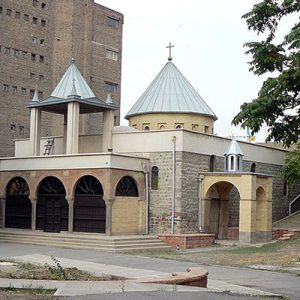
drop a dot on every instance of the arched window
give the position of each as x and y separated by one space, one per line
253 168
162 127
179 126
154 178
212 163
88 185
238 163
127 187
231 163
147 128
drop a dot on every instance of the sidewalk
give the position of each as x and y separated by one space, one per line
73 288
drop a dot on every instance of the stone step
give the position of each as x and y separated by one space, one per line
288 234
284 238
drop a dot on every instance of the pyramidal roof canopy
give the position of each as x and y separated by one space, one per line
234 148
170 92
72 87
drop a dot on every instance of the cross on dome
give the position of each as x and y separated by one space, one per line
170 51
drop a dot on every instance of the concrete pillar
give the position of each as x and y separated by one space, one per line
108 225
108 125
71 213
35 130
247 224
65 132
33 212
72 128
205 214
2 203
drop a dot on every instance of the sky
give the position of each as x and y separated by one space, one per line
208 36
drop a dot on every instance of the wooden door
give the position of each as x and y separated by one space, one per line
52 214
214 216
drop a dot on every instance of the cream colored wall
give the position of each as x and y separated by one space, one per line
128 215
171 120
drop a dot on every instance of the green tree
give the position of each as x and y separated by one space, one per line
278 101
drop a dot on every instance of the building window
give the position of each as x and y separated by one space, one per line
24 54
41 94
23 91
42 59
32 75
41 77
17 15
14 90
113 55
206 129
5 87
154 178
33 57
42 42
34 20
44 5
162 127
43 23
26 17
34 2
111 22
212 163
285 188
1 9
6 50
33 39
195 127
146 127
31 94
179 126
16 53
231 163
253 168
111 87
8 12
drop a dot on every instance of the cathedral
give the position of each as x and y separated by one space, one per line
165 173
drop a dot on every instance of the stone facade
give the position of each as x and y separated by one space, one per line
37 41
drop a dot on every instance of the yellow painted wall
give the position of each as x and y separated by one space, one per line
171 120
127 215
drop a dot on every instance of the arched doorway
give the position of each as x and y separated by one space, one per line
89 206
52 209
18 204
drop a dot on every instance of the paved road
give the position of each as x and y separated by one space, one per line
279 283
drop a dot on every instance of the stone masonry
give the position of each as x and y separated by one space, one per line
38 39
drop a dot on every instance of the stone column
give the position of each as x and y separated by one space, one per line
35 130
247 225
33 212
72 128
108 225
108 124
205 214
2 203
223 222
65 133
71 213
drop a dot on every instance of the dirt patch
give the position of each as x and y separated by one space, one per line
24 294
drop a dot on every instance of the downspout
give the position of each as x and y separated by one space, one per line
200 179
147 201
174 184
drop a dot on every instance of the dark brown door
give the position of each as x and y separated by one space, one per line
52 214
214 216
89 213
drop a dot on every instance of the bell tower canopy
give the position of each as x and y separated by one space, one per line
233 157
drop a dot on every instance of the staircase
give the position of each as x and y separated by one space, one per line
89 241
284 234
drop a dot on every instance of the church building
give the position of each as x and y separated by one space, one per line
166 173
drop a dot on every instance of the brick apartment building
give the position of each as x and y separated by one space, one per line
37 41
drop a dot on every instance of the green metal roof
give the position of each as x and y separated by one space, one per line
170 92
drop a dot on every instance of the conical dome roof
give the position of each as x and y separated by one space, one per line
170 92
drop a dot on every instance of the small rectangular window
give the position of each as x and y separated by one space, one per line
42 59
43 23
33 57
17 15
1 9
42 42
23 91
112 55
7 50
44 5
16 53
111 87
33 39
14 89
31 94
206 128
34 20
8 12
24 54
5 87
26 17
40 95
111 22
